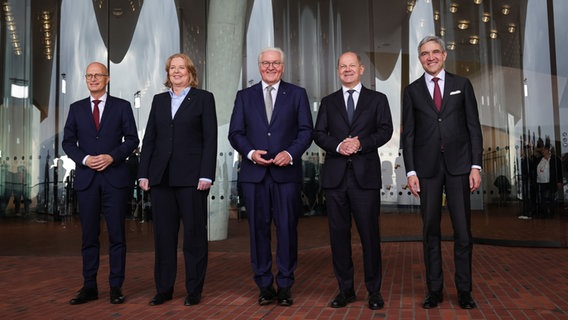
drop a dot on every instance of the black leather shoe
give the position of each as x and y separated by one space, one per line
192 299
432 299
376 301
465 300
266 296
285 297
160 298
343 298
116 296
85 295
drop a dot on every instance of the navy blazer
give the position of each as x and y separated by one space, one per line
290 129
117 136
372 124
455 128
185 145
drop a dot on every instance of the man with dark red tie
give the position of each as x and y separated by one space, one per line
442 149
100 133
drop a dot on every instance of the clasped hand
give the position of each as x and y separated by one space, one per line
100 162
282 159
349 146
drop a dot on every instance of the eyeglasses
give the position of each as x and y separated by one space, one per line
275 64
96 76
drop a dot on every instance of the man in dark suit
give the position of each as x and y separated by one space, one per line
100 133
177 165
442 149
352 124
271 127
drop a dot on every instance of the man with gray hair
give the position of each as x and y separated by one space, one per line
271 127
442 149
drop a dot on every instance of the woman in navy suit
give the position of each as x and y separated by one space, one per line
177 164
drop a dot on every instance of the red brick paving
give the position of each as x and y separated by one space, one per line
509 283
40 270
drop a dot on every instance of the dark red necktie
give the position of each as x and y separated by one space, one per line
437 94
96 116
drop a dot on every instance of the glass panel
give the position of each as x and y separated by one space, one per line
512 53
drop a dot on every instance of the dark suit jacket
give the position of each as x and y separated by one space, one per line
80 138
186 144
456 128
290 129
372 123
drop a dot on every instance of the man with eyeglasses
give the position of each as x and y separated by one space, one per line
271 127
352 123
100 133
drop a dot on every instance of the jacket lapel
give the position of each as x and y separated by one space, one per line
185 104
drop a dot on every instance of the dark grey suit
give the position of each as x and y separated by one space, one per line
441 148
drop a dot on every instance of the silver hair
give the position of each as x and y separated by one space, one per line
282 55
436 39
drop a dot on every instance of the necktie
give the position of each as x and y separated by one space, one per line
437 94
268 102
96 116
350 105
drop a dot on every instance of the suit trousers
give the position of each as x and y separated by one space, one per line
169 206
265 202
101 197
458 203
343 204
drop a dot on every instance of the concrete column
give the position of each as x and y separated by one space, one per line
225 41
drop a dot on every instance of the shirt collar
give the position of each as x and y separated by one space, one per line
103 98
357 88
275 86
442 76
183 93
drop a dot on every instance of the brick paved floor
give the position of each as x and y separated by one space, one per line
40 273
509 283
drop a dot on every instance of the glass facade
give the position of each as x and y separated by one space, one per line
511 51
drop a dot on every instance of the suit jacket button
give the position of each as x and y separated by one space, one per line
439 119
269 134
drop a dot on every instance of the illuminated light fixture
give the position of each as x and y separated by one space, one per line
137 96
19 91
442 32
512 27
47 34
63 84
477 1
454 7
463 24
493 34
505 9
410 5
474 40
486 17
436 15
451 45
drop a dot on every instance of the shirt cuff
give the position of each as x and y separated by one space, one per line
249 156
410 173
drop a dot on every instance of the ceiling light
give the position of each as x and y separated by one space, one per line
493 34
454 7
512 27
486 17
505 9
474 40
463 24
451 45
